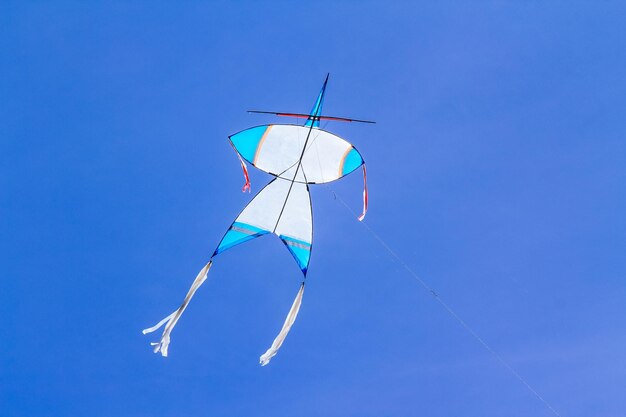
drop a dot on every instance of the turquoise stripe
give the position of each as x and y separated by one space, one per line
300 250
352 161
239 233
291 239
247 142
249 227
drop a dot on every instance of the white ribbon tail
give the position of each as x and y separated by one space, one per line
158 325
291 318
172 319
365 196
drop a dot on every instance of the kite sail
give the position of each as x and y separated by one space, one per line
297 156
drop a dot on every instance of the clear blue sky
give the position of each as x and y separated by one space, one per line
497 172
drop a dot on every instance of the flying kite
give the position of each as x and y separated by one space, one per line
297 156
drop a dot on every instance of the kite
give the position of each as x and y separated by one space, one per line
297 156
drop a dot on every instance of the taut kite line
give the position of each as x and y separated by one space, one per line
296 156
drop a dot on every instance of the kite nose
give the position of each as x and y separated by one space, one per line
316 111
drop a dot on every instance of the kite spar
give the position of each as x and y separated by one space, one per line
297 156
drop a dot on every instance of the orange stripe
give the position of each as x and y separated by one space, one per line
260 145
343 161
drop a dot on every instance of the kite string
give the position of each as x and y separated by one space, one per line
449 309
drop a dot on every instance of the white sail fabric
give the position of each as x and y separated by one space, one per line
276 149
283 208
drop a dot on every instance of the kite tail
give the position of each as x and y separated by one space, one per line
291 318
171 320
246 186
365 199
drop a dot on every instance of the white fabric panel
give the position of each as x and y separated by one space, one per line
296 220
264 210
281 148
324 156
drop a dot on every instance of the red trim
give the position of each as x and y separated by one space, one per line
365 198
297 115
246 186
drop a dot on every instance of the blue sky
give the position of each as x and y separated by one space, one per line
496 172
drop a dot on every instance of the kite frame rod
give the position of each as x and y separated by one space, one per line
308 116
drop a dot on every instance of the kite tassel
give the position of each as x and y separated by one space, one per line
246 186
171 320
365 198
291 318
